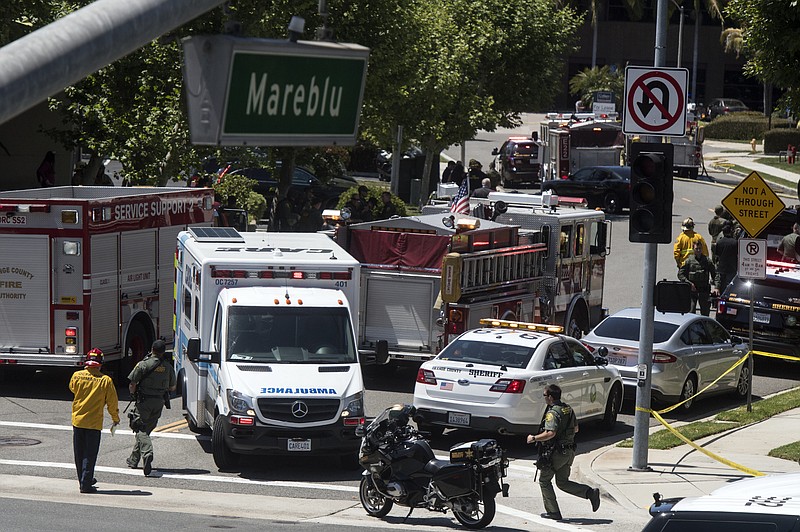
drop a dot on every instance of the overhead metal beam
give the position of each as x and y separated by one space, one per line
45 61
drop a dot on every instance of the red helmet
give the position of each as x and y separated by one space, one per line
94 357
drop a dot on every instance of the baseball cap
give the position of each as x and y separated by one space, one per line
94 358
688 223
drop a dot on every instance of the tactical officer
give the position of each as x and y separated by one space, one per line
151 381
715 226
700 273
726 258
558 430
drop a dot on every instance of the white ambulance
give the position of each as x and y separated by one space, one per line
265 347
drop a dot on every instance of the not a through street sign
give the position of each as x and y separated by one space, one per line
753 204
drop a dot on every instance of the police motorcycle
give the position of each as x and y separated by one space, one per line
400 468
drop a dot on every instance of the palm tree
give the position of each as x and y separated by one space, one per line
713 9
732 40
590 80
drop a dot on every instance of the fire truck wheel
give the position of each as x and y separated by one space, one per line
577 321
137 344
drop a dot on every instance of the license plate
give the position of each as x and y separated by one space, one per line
299 445
457 418
617 361
760 317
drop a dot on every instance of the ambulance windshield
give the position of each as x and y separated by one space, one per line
290 335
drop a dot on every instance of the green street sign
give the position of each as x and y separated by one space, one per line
273 93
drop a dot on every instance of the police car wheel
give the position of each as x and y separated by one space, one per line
612 409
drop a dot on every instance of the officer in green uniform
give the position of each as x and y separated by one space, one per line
700 273
151 379
556 453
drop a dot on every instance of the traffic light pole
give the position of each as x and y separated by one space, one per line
641 422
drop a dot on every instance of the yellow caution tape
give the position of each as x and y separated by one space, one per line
735 365
684 439
775 355
705 451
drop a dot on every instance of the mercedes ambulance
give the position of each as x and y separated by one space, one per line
265 347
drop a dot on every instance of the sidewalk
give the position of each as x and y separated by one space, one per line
684 471
739 154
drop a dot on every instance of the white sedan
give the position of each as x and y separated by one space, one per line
690 352
492 379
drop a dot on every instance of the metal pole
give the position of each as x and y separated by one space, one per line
680 38
641 422
750 363
45 61
680 33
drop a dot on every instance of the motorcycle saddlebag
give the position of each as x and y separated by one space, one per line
475 450
454 480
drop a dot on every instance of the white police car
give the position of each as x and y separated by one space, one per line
770 503
492 379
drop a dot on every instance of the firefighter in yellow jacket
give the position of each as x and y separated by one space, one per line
93 391
685 241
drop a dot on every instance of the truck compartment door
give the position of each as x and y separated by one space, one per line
104 306
399 309
25 292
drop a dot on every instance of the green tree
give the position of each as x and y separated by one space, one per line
770 38
442 69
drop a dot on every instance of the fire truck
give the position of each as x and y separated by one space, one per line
572 142
87 267
575 242
426 279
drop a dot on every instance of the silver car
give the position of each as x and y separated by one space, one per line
689 352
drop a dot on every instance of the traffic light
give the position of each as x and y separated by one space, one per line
651 193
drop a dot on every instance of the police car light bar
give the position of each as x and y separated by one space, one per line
507 324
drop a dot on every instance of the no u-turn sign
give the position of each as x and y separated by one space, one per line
655 101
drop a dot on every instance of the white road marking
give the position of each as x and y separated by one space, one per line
105 431
515 471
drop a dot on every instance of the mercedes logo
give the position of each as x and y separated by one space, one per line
299 409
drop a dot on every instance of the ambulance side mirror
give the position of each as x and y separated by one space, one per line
193 349
194 354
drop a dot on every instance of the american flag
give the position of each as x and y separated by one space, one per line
460 203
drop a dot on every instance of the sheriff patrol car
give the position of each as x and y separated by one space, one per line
492 378
762 503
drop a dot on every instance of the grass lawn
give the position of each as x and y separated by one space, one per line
731 419
782 165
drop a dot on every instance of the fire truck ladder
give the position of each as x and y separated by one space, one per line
467 273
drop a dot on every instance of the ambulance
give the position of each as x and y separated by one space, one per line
265 348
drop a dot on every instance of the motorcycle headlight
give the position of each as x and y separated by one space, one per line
240 403
354 405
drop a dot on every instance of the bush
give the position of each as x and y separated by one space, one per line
241 189
776 140
737 126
